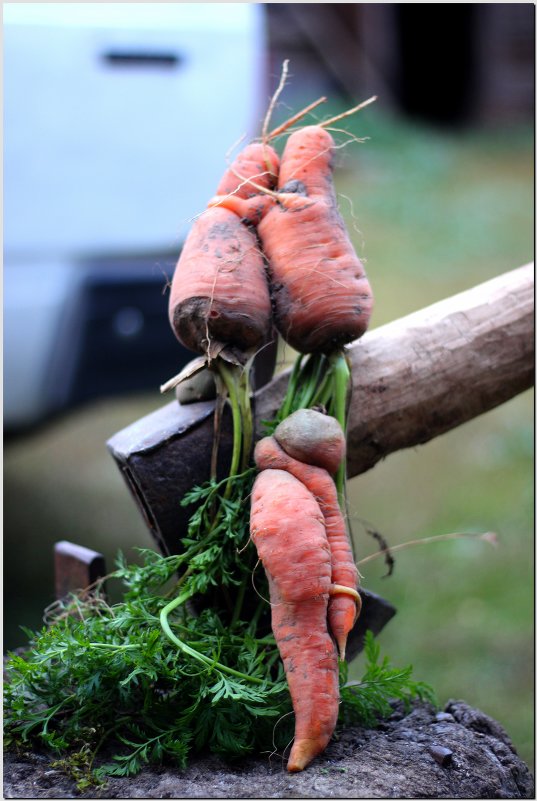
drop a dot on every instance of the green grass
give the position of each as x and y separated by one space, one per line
432 214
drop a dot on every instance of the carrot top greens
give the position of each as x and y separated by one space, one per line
105 687
110 687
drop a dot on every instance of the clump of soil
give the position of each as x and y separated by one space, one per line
457 753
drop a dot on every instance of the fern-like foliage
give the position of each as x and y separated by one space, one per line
103 678
370 699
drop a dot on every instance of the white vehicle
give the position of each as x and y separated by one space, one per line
117 121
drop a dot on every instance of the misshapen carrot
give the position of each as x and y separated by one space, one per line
317 444
321 296
288 530
219 291
344 603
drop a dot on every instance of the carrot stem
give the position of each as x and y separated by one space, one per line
341 378
245 407
291 388
348 113
186 649
218 412
324 392
261 606
229 377
238 603
306 398
303 388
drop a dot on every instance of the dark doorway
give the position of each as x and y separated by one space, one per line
436 44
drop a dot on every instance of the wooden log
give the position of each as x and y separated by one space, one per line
413 379
433 370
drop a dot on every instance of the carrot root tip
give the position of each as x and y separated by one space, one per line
302 753
341 643
340 589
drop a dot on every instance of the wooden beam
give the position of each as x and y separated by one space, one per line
413 379
75 568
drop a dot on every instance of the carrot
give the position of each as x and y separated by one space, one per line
321 296
345 603
288 530
254 171
219 294
295 519
312 437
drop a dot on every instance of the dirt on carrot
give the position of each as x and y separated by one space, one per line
219 292
321 295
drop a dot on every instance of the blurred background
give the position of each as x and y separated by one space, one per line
117 122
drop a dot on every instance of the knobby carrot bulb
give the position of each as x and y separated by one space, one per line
312 437
219 292
321 295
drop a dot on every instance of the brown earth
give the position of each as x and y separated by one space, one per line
457 753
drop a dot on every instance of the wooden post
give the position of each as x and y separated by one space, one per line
75 568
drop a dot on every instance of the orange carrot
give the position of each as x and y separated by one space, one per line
344 604
219 292
288 530
317 441
254 171
321 296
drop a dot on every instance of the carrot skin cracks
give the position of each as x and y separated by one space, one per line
288 531
321 295
219 291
